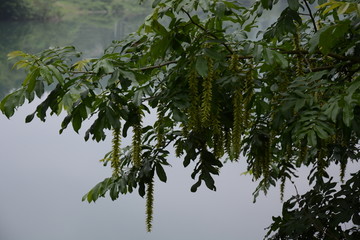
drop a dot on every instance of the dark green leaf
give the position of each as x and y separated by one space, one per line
30 117
76 122
57 74
161 173
195 186
294 4
201 66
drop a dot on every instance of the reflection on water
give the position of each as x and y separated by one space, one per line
89 34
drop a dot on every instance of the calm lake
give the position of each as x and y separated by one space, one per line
43 175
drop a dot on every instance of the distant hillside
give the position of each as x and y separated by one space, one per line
70 9
45 10
19 10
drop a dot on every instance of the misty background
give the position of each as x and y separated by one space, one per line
43 175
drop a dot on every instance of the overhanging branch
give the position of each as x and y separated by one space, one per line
206 31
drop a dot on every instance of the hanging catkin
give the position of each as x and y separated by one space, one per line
206 98
237 122
160 129
149 205
299 57
194 109
115 159
136 142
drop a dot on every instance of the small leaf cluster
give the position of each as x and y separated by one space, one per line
322 213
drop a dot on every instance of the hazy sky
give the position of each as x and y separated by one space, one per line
43 176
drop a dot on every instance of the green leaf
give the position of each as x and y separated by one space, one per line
104 66
268 56
30 79
114 77
267 4
195 186
280 59
294 4
212 53
57 74
320 132
114 192
201 66
299 104
311 138
161 172
314 41
258 53
39 88
15 54
80 65
12 101
332 36
353 87
141 189
89 196
155 3
46 74
112 118
137 99
158 28
29 118
76 122
22 64
348 114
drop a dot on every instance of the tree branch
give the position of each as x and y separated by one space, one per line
333 55
155 66
206 31
311 15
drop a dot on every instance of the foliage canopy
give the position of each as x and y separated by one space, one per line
285 97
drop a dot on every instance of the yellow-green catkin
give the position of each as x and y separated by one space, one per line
115 159
299 57
237 122
136 143
194 109
303 152
234 63
228 144
248 91
218 145
149 205
282 188
338 139
206 97
265 162
160 129
218 136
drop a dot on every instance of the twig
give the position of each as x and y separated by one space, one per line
206 31
155 66
311 15
296 190
333 55
81 72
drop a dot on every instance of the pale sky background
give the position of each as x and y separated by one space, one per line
43 176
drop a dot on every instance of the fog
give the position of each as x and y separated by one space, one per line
43 176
